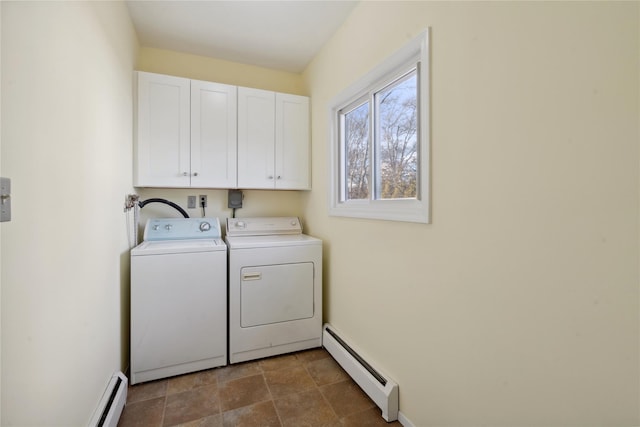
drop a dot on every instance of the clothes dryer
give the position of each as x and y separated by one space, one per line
275 288
178 299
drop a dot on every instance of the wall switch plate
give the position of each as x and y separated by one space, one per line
202 201
191 202
5 199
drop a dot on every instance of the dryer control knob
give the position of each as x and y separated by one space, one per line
294 222
168 226
205 226
241 224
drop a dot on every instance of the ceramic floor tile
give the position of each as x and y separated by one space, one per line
191 405
312 355
346 398
206 377
232 372
243 392
261 414
146 391
212 421
191 381
147 413
326 371
307 409
276 363
369 418
303 389
286 381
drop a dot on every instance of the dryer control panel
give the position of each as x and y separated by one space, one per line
263 226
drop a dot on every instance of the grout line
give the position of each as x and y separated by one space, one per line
231 367
305 365
319 390
273 400
164 409
219 404
329 405
254 403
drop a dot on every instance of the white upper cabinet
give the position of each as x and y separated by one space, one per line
193 133
162 154
292 149
256 138
186 134
273 140
213 135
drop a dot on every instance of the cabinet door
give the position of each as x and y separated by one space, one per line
292 147
256 136
162 153
213 135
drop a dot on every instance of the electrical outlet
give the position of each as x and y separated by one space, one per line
191 202
203 201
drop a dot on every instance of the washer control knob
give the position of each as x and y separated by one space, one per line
241 224
205 226
156 227
168 226
294 222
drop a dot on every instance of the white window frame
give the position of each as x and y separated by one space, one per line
410 210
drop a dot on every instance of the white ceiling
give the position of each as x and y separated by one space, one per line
282 35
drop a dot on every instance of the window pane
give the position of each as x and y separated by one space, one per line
356 149
396 139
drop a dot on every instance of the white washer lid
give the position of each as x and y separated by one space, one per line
248 242
264 226
160 247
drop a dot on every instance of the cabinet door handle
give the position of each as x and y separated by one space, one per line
278 176
195 174
270 177
251 276
185 173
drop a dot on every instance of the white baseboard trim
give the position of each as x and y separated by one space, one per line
112 402
402 419
381 389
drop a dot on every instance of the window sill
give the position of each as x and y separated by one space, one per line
387 210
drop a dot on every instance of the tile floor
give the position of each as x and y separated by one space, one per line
304 389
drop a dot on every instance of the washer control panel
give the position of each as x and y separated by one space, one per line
182 229
263 226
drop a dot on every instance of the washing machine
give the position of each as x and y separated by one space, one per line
275 288
178 298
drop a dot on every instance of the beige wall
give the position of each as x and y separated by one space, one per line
216 70
518 305
0 230
67 146
256 203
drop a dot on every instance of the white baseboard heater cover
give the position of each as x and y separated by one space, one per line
380 388
112 403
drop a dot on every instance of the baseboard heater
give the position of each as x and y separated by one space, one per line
112 403
382 390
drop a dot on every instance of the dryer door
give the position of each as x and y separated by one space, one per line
276 293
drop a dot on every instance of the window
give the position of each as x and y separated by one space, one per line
380 145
